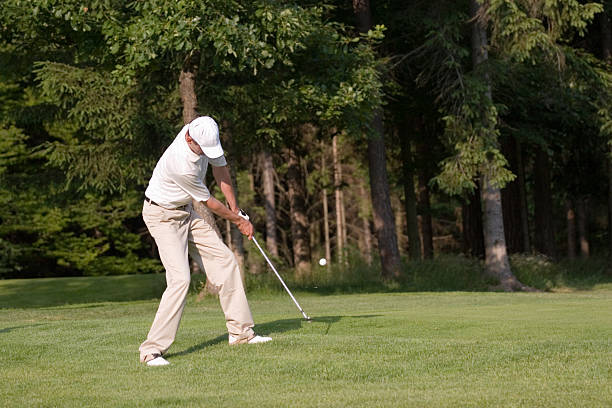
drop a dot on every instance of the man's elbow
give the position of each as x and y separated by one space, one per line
210 202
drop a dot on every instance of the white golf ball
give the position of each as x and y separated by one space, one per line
322 261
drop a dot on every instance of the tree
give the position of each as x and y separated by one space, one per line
497 264
606 53
339 199
73 230
269 201
384 223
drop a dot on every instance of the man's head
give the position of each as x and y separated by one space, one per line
205 132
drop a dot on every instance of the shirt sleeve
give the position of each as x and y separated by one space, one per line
193 186
218 161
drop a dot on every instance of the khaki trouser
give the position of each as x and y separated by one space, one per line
178 233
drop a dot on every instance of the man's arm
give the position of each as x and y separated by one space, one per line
224 180
221 210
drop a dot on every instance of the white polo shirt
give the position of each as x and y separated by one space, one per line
179 175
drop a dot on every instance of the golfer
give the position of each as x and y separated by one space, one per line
178 230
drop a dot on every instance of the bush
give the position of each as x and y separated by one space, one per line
537 271
355 276
445 273
541 272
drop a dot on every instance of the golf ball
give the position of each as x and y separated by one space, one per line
322 261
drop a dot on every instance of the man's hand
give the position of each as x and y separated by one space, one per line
245 227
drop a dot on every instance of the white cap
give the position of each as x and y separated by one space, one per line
205 132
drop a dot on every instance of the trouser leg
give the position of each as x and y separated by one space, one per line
169 228
223 272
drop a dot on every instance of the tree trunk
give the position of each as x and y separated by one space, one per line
189 99
583 221
228 234
326 226
269 201
479 55
384 224
254 262
606 36
396 204
343 217
571 229
365 221
511 201
610 211
497 264
544 233
410 201
339 202
236 236
362 11
423 208
190 104
606 48
520 179
471 215
187 80
299 219
325 206
496 259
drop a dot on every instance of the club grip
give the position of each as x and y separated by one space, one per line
243 214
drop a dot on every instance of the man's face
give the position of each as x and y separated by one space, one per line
193 145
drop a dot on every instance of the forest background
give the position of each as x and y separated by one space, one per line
426 144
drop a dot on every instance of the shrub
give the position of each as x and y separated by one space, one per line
537 271
541 272
445 273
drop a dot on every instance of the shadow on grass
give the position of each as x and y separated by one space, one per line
49 292
26 326
277 326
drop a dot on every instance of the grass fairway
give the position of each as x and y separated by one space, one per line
361 350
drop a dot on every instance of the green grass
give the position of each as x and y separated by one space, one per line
452 349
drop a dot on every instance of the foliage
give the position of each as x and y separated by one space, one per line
89 99
542 273
520 28
99 151
104 75
536 271
446 273
520 31
473 133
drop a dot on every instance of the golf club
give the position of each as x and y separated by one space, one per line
245 216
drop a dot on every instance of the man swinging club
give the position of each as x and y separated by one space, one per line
178 230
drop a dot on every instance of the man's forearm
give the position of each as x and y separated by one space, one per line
221 210
223 179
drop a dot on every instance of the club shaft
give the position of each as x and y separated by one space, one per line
280 279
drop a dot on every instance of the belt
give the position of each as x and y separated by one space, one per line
148 200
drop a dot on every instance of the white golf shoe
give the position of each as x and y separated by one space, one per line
157 361
253 340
